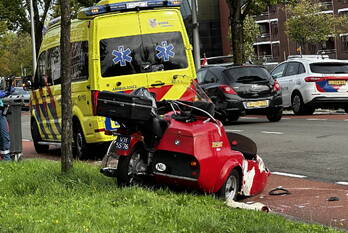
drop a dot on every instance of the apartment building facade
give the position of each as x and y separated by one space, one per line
273 45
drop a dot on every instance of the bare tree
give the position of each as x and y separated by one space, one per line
67 157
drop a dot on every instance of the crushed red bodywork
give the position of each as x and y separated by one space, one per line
206 142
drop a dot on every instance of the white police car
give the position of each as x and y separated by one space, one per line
313 81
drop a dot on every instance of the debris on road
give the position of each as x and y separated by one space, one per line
333 199
279 191
249 205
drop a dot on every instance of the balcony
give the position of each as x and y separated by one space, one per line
326 5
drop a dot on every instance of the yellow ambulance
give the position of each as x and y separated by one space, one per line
116 46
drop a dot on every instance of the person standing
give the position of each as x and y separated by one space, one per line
4 129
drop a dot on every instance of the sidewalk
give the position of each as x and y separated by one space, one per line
307 201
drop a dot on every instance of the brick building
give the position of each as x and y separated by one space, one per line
273 45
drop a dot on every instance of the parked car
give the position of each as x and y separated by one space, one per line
311 82
241 90
20 96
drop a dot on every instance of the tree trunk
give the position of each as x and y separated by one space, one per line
67 157
236 31
38 25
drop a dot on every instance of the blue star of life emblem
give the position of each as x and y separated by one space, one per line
165 51
122 56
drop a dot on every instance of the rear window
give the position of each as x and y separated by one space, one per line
247 75
142 54
329 68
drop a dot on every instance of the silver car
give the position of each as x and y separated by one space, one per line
311 82
19 96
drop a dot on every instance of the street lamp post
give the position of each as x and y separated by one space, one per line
33 35
196 47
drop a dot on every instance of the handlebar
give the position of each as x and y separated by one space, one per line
174 104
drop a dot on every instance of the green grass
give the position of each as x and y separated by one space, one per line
35 197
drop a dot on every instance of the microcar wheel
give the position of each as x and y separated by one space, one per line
275 115
231 187
130 168
35 134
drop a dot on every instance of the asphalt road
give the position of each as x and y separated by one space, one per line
312 146
315 147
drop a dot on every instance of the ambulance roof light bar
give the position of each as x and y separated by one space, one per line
122 6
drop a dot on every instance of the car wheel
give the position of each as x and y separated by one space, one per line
298 107
233 117
80 147
35 134
129 167
231 187
346 109
275 115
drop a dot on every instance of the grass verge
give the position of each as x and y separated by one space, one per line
35 197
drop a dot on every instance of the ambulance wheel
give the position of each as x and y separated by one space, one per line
231 187
130 167
35 134
80 147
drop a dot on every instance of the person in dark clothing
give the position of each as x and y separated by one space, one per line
4 129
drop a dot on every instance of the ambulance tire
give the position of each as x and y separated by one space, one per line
35 134
80 146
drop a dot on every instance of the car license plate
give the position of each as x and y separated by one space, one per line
122 142
337 82
257 104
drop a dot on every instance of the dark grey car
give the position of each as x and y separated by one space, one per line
242 90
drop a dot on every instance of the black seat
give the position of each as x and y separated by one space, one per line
159 126
242 144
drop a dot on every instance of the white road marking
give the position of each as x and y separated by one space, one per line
269 132
234 130
26 140
342 183
288 174
315 119
250 118
346 120
286 118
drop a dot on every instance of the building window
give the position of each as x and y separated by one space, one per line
274 27
264 29
275 51
344 41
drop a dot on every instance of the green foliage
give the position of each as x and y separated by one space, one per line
251 31
307 25
239 10
15 53
36 197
